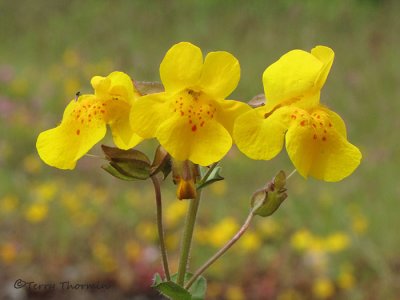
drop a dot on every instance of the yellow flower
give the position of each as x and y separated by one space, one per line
36 212
85 119
315 136
191 119
323 288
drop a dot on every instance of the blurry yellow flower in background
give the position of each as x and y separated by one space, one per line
191 119
8 253
175 212
301 240
235 293
337 242
104 256
323 288
315 136
250 242
36 212
222 232
85 119
132 250
8 204
346 279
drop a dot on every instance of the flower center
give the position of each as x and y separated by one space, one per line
318 120
86 111
196 107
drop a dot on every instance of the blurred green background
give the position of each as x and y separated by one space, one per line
327 241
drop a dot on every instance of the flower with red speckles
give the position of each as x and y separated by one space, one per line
315 136
191 119
85 120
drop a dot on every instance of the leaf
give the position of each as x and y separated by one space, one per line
148 87
199 288
114 172
116 154
127 164
171 289
213 177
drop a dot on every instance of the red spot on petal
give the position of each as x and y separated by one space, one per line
315 126
324 138
78 132
318 116
194 128
330 124
202 123
302 123
293 117
320 123
190 122
315 136
103 111
182 113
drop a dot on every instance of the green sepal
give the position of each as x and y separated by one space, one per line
268 199
174 291
126 164
213 177
148 87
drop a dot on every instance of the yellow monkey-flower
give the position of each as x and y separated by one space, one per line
85 120
315 136
191 119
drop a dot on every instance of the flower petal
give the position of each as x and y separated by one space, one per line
117 85
221 74
290 78
229 110
63 145
123 135
181 67
259 137
321 153
202 145
147 113
326 56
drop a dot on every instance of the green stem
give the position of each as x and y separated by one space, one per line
217 255
187 237
157 191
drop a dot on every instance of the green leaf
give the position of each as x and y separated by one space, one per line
127 164
268 199
147 87
114 172
174 291
199 288
213 177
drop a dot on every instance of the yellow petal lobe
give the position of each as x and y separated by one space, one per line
82 127
181 67
220 75
318 149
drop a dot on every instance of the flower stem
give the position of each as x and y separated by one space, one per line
163 249
187 237
225 248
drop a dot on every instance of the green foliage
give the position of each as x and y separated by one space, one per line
175 292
